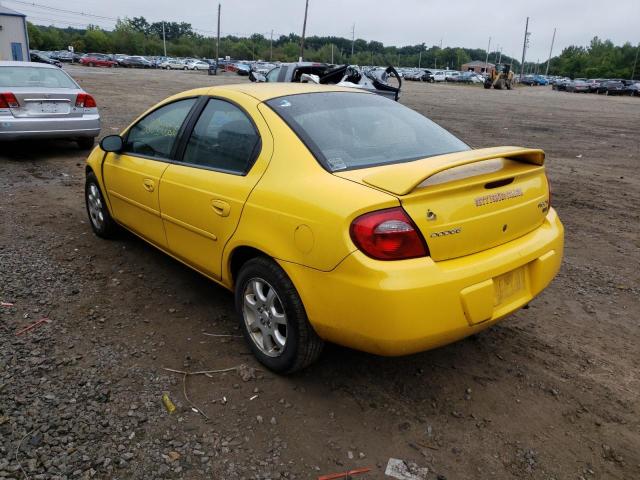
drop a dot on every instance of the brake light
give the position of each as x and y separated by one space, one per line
8 100
84 100
388 235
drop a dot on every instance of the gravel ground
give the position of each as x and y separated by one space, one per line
552 392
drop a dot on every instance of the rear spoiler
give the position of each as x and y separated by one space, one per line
402 178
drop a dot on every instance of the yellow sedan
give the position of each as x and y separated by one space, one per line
333 214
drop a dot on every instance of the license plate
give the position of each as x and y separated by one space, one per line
49 107
508 285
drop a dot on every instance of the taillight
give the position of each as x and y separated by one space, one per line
8 100
388 235
84 100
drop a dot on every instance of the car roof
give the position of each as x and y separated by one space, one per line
26 64
267 91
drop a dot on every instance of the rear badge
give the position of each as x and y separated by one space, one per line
446 233
498 197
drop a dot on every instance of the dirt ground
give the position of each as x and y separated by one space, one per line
553 392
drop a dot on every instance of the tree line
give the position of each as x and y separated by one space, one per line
136 36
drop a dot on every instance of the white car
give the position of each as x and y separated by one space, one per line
443 75
172 65
198 65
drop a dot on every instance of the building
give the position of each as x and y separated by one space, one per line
478 67
14 40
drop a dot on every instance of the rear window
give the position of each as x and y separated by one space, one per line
35 77
347 130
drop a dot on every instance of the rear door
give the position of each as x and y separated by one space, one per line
132 177
202 195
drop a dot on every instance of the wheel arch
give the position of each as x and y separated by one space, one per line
240 255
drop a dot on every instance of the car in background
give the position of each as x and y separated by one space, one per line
634 89
594 83
39 57
451 75
97 60
528 80
578 86
42 101
198 65
560 84
612 87
172 64
65 56
470 77
372 79
135 61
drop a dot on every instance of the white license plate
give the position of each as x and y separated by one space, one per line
508 285
49 107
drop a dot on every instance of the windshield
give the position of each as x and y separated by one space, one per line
35 77
347 130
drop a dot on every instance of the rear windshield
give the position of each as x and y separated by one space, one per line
35 77
347 130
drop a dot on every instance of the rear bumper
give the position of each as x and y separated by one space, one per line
399 308
12 128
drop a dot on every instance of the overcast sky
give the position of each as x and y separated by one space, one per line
465 23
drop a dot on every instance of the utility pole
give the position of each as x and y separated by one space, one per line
553 39
486 59
271 47
500 55
420 58
332 53
524 47
353 39
304 29
218 37
164 40
635 62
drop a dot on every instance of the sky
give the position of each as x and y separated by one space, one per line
457 23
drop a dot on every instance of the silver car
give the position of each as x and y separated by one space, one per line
43 101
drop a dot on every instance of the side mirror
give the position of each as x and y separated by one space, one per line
112 143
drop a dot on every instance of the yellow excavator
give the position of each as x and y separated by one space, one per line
501 77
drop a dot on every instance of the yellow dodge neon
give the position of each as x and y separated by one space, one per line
334 214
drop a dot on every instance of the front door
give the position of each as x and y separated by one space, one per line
16 51
132 177
202 196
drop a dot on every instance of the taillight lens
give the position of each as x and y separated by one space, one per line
388 235
8 100
84 100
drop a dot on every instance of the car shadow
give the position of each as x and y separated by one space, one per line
36 150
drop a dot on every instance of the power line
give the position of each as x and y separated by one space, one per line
56 9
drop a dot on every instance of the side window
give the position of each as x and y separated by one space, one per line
223 139
156 133
272 76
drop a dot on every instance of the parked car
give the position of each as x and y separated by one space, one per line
172 64
612 87
97 60
349 242
442 75
634 89
578 86
593 84
38 100
135 61
451 75
470 77
560 84
198 65
38 57
528 80
376 80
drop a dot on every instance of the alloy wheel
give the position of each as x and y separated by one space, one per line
95 206
264 317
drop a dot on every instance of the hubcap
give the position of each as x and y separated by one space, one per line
94 204
264 317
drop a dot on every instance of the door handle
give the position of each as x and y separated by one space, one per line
149 185
221 208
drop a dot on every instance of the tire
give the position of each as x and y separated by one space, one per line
263 277
86 143
99 216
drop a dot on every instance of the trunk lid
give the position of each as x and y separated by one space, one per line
468 201
46 103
